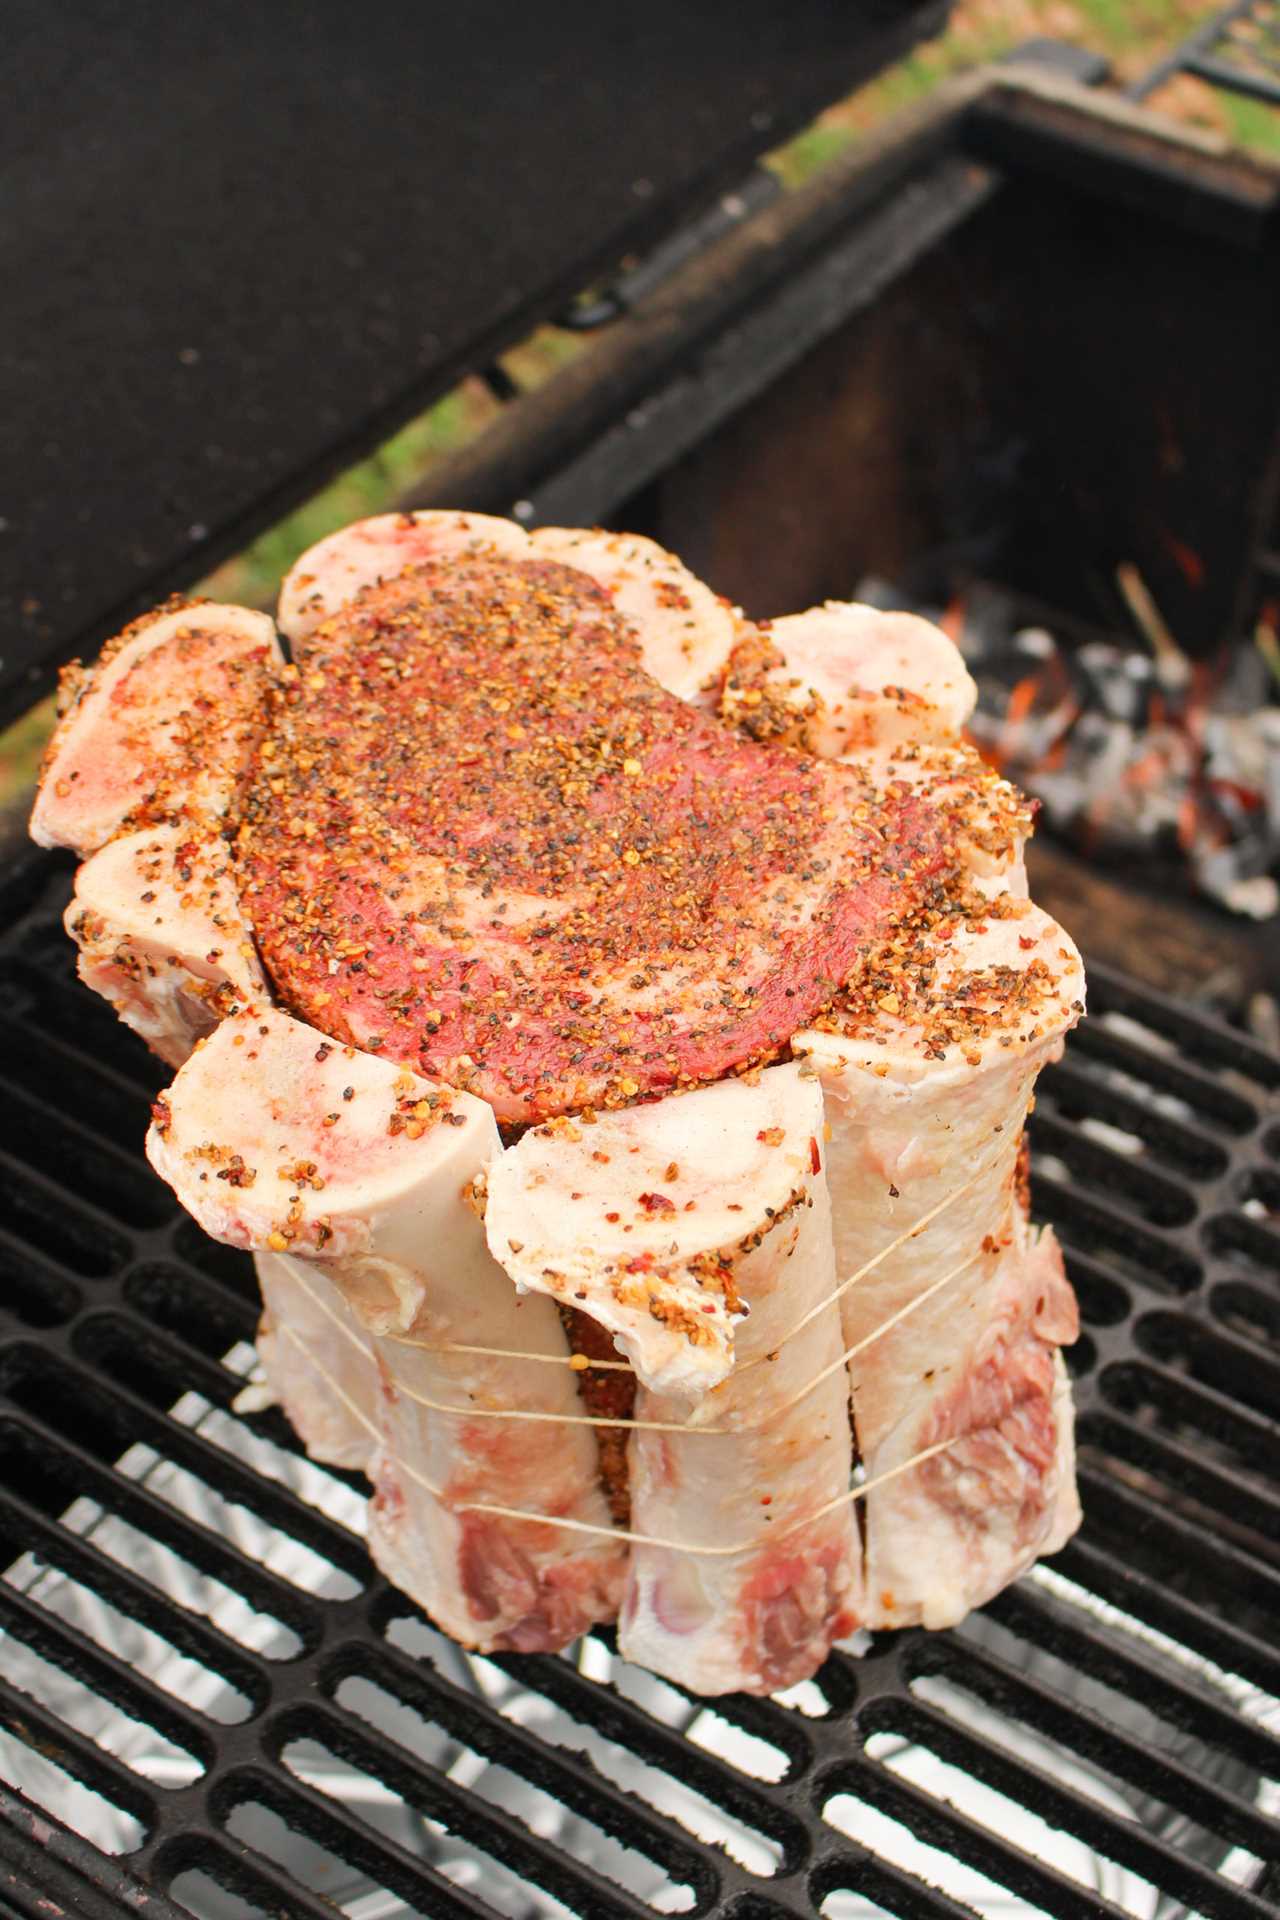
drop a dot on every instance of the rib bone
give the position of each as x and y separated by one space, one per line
331 574
668 1223
318 1359
275 1138
845 678
157 919
686 631
162 726
928 1074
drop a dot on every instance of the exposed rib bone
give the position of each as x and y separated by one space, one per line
638 1219
335 570
309 1342
667 1223
927 1088
950 1533
686 631
274 1137
157 919
847 678
161 727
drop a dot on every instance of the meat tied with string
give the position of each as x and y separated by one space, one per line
535 829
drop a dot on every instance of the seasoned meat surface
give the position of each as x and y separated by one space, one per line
483 840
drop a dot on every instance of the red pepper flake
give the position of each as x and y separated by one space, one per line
815 1158
657 1203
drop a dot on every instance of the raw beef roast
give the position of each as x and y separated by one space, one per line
482 839
611 1026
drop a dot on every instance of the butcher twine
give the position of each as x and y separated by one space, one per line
610 1420
625 1366
614 1533
847 1498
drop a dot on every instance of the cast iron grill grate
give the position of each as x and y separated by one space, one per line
209 1703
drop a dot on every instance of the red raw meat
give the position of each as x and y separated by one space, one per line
483 840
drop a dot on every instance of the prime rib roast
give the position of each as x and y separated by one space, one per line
611 1024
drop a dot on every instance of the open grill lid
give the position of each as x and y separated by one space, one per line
246 243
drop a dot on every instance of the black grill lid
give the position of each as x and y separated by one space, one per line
243 242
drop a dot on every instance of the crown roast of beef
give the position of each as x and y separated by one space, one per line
610 1023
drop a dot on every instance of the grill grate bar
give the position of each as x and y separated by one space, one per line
1096 1046
272 1893
1199 1034
113 1340
43 1864
1076 1727
1137 1510
199 1325
1234 1357
1164 1201
188 1449
940 1824
116 1107
118 1187
325 1820
1124 1841
208 1552
1073 1094
1224 1642
62 1644
487 1824
1160 1255
22 1715
607 1713
42 1221
622 1813
62 1012
1044 1621
895 1891
1194 1403
188 1633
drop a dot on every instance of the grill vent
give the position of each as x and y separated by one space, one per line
206 1693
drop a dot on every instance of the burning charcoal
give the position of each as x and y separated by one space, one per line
1121 682
1131 751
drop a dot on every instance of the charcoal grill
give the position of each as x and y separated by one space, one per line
210 1703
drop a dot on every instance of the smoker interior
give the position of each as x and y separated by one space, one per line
209 1702
1077 374
1028 340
